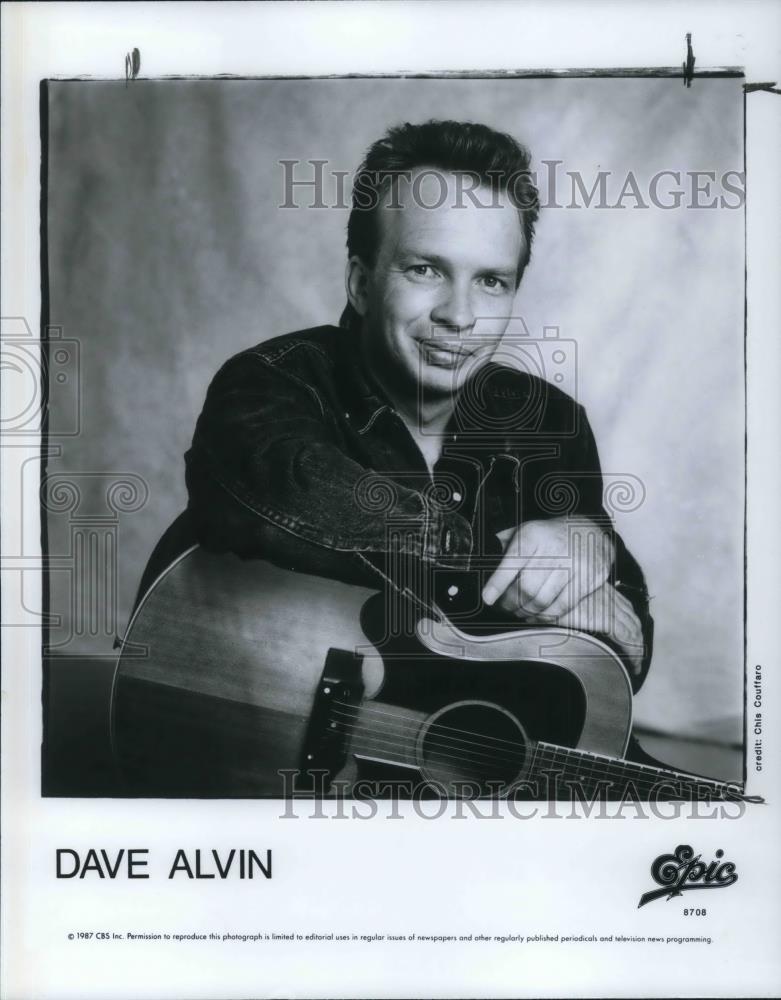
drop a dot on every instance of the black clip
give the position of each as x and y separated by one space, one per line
770 88
688 66
132 65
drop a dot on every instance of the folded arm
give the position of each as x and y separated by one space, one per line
573 569
268 469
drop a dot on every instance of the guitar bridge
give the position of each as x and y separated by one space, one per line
329 731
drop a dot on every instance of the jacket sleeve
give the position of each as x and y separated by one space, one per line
587 490
267 475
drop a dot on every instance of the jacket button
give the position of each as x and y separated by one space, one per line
456 496
452 590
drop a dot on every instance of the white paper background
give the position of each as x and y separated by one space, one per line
449 876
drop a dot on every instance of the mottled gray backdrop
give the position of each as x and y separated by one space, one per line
168 253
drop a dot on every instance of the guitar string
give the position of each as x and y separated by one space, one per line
397 727
595 760
484 747
639 774
441 756
642 772
365 708
393 739
582 756
367 744
612 765
480 757
408 749
606 764
583 761
642 784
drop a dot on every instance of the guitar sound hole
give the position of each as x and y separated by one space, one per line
472 748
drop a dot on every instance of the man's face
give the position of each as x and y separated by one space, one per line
440 294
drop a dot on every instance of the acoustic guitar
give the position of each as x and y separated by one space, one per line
238 678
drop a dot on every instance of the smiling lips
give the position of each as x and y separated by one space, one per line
437 353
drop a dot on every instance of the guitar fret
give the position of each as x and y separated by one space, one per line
590 768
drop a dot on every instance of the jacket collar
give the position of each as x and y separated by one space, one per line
498 386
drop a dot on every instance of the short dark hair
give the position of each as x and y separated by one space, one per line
494 158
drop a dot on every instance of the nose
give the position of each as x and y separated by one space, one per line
454 309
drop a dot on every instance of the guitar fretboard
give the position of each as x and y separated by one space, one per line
594 773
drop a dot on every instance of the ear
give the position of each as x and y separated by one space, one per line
356 281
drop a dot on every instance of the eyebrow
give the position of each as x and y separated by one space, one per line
433 258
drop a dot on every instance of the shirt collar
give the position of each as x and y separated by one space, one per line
368 401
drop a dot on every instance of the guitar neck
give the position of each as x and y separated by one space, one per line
595 774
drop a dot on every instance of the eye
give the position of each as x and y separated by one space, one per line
422 271
494 284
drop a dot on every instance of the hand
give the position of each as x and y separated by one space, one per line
549 567
607 612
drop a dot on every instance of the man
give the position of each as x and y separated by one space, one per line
402 447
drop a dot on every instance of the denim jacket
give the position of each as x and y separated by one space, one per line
298 457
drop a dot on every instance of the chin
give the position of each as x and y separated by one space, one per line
443 381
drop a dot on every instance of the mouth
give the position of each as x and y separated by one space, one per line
443 355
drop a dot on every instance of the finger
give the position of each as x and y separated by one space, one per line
623 601
628 631
574 618
508 602
516 599
567 599
507 571
593 614
591 564
613 617
504 536
629 639
541 598
622 608
602 615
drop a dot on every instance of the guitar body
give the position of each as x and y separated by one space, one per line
233 671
